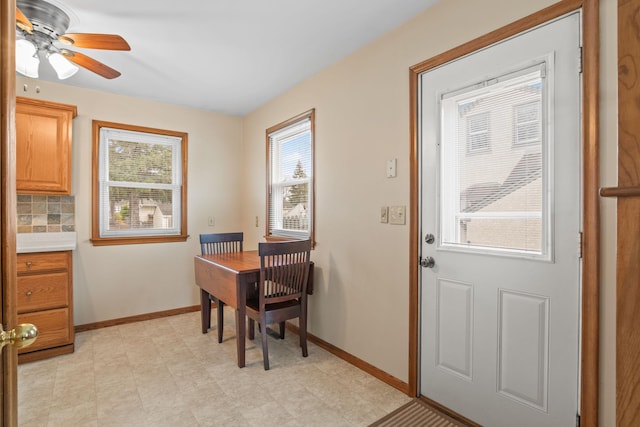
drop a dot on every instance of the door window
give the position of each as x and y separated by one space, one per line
493 183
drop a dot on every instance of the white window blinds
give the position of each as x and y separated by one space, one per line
291 177
494 191
140 182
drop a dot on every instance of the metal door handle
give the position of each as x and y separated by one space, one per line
428 262
23 335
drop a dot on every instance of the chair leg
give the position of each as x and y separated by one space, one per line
265 350
281 330
220 311
303 331
252 329
205 310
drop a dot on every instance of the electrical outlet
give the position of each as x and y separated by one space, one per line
212 221
391 168
397 215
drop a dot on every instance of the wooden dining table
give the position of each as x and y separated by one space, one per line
230 277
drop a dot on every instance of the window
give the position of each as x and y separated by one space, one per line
527 123
478 133
290 177
499 200
139 185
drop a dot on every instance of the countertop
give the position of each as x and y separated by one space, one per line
45 242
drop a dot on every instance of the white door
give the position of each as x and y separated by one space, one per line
500 200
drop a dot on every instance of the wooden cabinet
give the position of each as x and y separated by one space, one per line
43 146
45 298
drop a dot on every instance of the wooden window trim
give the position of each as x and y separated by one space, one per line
96 240
311 115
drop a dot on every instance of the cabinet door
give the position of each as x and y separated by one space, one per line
53 328
43 147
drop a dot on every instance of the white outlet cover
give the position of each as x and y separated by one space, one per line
391 168
397 215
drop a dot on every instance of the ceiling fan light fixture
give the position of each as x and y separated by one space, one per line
64 69
44 25
27 61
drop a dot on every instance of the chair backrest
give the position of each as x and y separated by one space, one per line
218 243
284 270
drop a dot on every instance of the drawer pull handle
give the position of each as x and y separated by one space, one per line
29 264
28 293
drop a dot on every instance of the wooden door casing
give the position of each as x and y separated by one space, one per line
628 226
8 366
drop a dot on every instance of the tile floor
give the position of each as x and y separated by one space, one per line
165 372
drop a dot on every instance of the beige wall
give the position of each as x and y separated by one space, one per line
111 282
362 117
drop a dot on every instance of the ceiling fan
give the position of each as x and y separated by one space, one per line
40 26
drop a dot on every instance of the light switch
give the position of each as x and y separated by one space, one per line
397 215
384 214
391 168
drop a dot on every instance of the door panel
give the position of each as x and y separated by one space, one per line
523 334
455 327
500 163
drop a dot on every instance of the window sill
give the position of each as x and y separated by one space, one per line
136 240
272 238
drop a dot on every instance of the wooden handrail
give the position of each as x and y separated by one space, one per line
620 192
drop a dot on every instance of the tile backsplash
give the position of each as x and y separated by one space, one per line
46 214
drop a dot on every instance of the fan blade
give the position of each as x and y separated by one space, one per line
23 22
90 64
95 41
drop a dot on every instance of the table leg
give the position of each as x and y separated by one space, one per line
241 334
220 312
205 310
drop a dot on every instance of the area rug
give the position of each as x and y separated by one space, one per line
416 414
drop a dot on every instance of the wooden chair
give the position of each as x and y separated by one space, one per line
216 243
282 290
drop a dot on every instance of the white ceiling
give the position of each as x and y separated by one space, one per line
228 56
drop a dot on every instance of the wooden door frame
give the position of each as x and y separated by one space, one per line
627 193
589 369
8 295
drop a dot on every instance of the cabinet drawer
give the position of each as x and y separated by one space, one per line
40 261
43 291
53 328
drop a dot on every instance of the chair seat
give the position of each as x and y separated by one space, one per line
254 304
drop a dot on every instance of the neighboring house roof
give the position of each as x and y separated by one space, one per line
165 208
527 170
298 210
